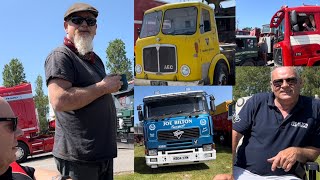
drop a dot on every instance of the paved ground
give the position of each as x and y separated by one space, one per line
124 163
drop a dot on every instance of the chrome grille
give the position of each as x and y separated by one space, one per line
165 64
277 56
187 134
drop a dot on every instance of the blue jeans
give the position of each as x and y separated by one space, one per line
85 171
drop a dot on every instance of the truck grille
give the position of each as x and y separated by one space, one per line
277 56
166 62
187 134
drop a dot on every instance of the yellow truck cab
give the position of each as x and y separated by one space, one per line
178 45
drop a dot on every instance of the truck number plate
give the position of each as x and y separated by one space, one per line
159 83
124 140
177 158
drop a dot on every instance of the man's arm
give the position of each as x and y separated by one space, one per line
64 97
235 140
286 158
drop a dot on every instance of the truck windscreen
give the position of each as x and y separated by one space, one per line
180 21
173 106
151 24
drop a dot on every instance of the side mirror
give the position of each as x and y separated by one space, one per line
212 105
140 115
293 17
295 28
231 110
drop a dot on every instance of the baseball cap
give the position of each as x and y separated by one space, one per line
79 7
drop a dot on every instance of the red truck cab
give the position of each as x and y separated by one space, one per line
21 101
295 44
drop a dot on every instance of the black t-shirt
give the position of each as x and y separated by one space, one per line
87 134
266 133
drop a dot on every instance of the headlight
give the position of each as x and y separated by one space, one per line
119 114
153 152
185 70
207 147
138 69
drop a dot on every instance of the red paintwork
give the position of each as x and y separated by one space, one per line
23 106
297 55
221 122
220 118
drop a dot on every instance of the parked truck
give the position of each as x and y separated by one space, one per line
21 101
222 123
124 105
294 45
177 128
179 45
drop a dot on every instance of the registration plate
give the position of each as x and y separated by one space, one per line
159 83
178 158
124 140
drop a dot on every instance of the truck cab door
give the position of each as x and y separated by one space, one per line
208 38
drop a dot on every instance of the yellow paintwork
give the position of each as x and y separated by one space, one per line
208 55
222 108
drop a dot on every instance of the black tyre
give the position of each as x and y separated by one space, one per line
22 152
222 139
221 74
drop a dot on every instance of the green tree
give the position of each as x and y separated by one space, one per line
251 80
13 73
42 102
311 81
117 62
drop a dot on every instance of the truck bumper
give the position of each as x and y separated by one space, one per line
145 82
180 157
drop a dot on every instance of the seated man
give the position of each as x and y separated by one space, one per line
9 132
309 24
280 130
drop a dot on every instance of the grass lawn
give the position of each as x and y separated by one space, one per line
187 172
196 171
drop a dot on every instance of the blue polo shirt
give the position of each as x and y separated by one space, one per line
266 132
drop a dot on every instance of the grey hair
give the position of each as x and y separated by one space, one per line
296 70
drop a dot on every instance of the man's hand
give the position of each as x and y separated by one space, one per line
111 83
285 159
223 177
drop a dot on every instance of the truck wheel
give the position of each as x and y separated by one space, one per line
22 152
222 139
220 74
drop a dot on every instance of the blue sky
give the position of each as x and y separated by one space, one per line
253 13
31 29
221 93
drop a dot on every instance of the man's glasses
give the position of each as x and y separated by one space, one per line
78 20
291 81
14 121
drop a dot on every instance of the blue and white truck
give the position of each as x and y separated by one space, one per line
178 128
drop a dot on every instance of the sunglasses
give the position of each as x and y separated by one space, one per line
13 120
79 20
291 81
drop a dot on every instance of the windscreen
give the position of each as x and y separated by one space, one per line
151 24
180 21
173 106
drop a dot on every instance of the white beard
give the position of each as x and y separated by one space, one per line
83 43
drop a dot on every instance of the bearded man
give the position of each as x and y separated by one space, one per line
80 94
